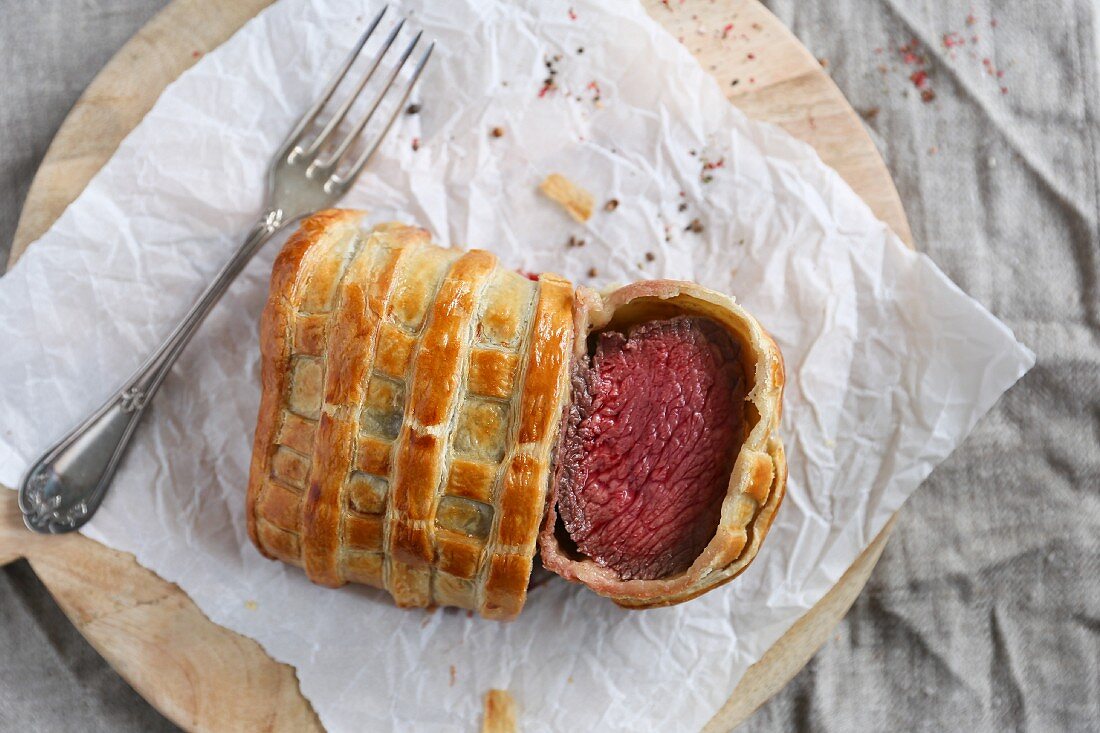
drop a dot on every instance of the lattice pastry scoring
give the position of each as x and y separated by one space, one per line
411 400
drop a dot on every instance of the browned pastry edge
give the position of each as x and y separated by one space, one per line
522 497
759 477
276 341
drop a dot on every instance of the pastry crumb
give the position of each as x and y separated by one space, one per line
500 712
592 272
497 132
694 227
649 257
575 200
611 205
412 109
454 673
251 605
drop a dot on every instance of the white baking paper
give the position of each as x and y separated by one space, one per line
889 364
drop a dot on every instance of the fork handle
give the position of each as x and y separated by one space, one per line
64 487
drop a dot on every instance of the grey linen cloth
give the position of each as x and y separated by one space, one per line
984 612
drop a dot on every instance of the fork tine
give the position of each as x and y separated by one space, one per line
354 134
342 110
311 114
359 164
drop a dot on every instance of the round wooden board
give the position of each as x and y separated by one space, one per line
207 678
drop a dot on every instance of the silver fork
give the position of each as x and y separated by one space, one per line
65 486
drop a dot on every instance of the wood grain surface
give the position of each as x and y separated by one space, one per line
207 678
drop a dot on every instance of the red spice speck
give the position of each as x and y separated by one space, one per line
1000 73
572 14
919 78
752 80
757 27
993 23
416 144
971 20
196 54
927 96
878 50
953 39
726 30
752 57
1004 90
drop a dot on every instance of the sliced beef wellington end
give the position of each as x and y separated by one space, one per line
669 467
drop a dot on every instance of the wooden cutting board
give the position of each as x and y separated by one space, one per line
207 678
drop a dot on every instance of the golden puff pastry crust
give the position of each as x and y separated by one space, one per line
411 399
758 481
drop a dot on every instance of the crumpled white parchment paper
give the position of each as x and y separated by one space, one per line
889 364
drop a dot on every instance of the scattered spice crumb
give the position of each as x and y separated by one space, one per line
927 95
735 82
682 207
251 605
453 675
869 114
705 174
500 712
757 27
695 227
412 109
752 57
594 87
611 205
575 200
497 132
469 614
580 50
824 62
416 144
549 84
649 257
726 30
574 242
572 14
933 150
971 20
569 680
592 272
953 39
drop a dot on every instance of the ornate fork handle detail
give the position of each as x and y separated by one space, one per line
64 487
